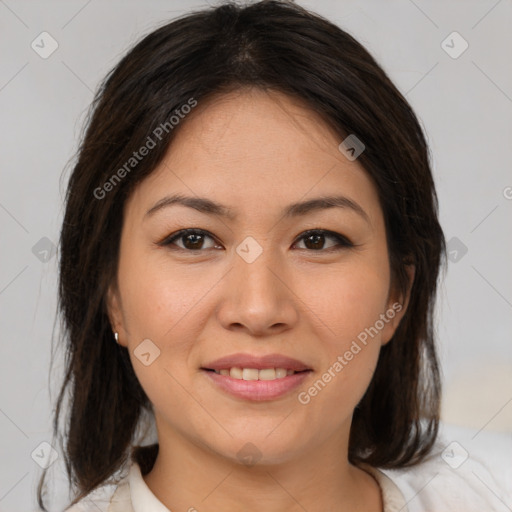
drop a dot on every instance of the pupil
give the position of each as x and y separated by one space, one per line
317 243
195 239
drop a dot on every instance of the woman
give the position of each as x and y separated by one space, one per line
252 218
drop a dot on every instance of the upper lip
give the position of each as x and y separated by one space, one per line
258 362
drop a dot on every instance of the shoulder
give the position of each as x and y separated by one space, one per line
466 471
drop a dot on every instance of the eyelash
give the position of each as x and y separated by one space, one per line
343 242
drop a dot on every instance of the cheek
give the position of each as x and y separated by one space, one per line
345 307
159 306
157 297
345 301
165 304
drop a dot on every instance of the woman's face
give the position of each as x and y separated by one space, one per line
253 283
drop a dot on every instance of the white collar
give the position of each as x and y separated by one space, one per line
143 500
392 497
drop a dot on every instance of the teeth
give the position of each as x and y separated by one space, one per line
255 374
267 374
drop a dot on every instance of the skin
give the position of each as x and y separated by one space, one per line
255 152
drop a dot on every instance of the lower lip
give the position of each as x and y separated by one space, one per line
258 390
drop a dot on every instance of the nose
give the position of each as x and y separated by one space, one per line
258 297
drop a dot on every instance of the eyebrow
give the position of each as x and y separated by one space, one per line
210 207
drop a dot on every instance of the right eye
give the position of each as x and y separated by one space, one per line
192 240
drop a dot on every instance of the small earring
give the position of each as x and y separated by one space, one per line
116 337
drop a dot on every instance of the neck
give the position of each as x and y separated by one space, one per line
190 477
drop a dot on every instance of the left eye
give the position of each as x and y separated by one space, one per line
193 239
318 236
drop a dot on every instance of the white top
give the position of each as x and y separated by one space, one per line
467 471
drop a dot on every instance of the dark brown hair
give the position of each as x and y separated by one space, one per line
274 45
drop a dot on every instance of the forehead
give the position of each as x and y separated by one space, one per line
254 149
248 121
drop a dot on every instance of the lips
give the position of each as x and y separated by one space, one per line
257 362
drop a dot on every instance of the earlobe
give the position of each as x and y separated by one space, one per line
396 307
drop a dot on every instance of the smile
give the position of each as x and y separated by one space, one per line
255 374
254 384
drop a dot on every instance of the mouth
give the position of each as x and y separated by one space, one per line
256 385
251 374
257 378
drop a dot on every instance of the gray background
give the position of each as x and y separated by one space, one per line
464 104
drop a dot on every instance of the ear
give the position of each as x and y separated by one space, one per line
115 314
396 307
